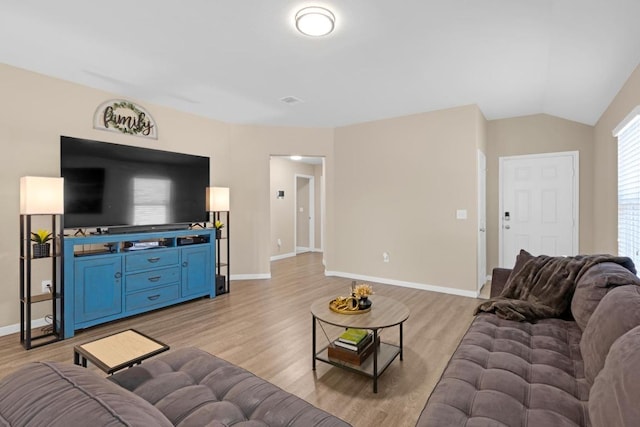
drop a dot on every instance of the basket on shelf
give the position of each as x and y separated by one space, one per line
41 250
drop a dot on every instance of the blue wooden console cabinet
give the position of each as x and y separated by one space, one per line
108 277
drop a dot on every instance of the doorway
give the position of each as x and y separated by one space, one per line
305 213
482 220
297 205
538 205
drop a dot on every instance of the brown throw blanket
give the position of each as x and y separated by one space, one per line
544 286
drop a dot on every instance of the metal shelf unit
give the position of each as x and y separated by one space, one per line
55 331
223 271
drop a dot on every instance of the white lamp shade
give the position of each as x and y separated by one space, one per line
40 195
217 199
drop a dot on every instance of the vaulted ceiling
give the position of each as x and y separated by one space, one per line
234 60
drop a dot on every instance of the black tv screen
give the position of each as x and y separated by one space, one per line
111 185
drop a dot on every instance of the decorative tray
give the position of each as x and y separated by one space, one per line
346 305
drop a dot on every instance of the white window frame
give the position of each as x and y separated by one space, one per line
628 137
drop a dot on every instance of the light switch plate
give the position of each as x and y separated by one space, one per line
461 214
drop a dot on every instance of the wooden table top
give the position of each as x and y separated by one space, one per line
385 312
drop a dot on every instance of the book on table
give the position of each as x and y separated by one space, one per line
355 347
353 357
353 336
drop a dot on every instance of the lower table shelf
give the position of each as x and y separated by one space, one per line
386 354
386 313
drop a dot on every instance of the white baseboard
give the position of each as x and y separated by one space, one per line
12 329
292 254
302 249
283 256
250 276
425 287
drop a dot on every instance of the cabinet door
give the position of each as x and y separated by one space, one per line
98 288
196 271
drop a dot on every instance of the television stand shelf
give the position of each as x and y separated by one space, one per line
105 280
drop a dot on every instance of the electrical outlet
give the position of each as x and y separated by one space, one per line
385 256
46 286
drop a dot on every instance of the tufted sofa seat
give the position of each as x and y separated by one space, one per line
187 388
515 374
553 372
194 388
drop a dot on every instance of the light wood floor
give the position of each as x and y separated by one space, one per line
265 326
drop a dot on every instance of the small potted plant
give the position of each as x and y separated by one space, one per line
219 225
362 292
41 245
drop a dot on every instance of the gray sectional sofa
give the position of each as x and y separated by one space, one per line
581 369
187 387
578 370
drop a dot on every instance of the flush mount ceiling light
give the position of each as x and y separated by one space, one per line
296 158
315 21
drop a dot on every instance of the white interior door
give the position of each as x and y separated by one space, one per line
538 205
482 219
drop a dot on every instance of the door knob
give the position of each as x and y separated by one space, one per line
483 230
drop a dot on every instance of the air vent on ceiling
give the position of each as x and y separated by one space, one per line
291 100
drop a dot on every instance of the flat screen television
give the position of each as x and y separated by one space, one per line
124 188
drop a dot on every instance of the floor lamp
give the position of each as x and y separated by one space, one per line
41 196
218 202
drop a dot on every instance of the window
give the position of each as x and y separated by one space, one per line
151 199
628 133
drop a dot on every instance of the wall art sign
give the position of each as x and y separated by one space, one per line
119 115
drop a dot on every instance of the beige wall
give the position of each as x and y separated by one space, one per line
35 110
283 172
481 131
251 149
533 135
401 181
605 204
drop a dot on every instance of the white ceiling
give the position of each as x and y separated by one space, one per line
233 60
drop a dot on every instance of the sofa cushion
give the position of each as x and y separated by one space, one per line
512 373
613 400
521 259
56 394
500 276
594 285
617 313
194 388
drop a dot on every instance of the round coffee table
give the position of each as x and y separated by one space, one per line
385 312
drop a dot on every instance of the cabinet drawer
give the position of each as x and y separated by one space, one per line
152 297
152 279
151 259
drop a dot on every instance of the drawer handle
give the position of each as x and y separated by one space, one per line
185 264
154 279
117 275
156 259
153 297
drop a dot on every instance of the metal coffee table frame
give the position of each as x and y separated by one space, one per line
385 313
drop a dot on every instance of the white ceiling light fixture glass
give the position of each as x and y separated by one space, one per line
296 158
315 21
